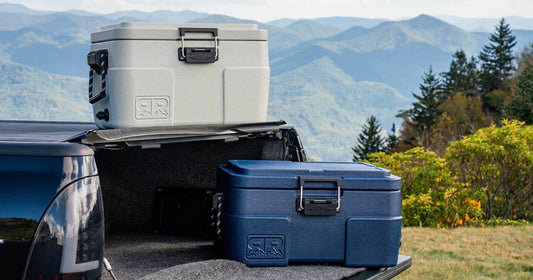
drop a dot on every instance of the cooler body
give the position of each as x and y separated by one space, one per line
154 74
349 213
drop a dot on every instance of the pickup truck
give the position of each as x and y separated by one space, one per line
156 185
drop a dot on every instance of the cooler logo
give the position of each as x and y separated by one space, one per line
152 107
265 247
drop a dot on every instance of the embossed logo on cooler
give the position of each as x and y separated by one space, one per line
152 107
265 247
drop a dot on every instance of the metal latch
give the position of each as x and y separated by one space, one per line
318 206
198 54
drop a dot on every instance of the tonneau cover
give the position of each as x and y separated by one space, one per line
171 134
38 131
89 134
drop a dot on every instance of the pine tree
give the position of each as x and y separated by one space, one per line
497 58
392 140
522 106
369 140
426 109
462 76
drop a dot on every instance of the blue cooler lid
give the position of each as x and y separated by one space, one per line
267 174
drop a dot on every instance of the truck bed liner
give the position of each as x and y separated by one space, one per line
152 256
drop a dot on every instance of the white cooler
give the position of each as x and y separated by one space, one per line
158 74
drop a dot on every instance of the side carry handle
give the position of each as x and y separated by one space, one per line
198 55
97 60
318 206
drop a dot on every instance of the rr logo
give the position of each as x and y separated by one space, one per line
265 247
148 107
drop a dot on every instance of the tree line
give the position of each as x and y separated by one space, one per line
465 147
475 92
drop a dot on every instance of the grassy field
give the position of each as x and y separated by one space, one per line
469 253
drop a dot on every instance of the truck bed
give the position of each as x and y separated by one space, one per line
153 256
134 163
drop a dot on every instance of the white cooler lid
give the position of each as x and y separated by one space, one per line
169 31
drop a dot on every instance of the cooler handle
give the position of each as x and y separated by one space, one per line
184 30
97 61
198 55
300 201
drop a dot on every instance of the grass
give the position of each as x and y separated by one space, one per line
502 252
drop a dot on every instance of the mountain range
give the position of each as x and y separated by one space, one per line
328 74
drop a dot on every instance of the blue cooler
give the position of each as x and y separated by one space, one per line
280 212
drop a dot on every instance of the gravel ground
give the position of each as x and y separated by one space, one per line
151 257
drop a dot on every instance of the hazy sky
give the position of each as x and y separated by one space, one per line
265 10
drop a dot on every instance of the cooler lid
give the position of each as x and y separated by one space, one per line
287 174
170 31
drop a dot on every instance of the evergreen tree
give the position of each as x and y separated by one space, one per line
462 76
426 109
392 140
497 58
522 106
369 140
525 57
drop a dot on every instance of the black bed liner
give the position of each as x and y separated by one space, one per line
152 256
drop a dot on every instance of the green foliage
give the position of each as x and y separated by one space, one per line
498 162
369 140
392 140
522 105
462 75
431 196
461 115
497 58
525 57
428 124
493 165
419 120
426 108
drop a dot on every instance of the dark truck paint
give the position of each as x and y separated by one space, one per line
43 163
31 175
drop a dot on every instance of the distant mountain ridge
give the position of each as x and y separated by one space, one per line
327 74
30 94
487 24
159 16
342 23
18 8
309 29
392 53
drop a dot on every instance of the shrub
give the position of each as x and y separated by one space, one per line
431 196
498 163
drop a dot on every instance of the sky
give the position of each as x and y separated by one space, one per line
267 10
